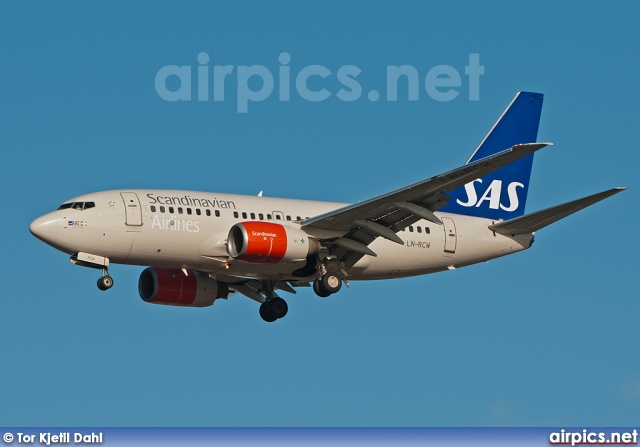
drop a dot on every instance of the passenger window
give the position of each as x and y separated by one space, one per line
198 211
278 217
208 212
162 209
217 213
411 228
419 229
268 216
244 215
171 209
253 215
427 230
235 214
298 218
188 210
153 208
261 216
288 217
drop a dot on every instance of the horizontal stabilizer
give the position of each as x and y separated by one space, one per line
534 221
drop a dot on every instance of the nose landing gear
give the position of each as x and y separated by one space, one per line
105 282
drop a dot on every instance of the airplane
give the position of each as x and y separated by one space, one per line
204 246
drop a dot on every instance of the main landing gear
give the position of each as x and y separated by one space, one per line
273 309
105 282
327 284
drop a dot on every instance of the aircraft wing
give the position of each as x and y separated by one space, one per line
385 215
254 289
535 221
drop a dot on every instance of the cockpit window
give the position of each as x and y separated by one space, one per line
77 205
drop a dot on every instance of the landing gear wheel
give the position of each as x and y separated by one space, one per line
317 288
278 307
266 314
105 282
331 282
273 309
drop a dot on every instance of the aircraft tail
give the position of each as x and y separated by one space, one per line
503 193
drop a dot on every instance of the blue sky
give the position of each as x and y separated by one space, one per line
544 337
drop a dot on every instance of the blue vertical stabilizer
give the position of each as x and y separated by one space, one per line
503 193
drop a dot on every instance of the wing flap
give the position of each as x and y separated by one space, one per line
535 221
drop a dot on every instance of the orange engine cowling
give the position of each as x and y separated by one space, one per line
172 287
269 243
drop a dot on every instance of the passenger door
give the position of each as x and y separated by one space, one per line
450 236
133 211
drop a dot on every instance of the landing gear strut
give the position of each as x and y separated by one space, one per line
105 282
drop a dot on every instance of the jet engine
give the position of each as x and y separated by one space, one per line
172 287
269 243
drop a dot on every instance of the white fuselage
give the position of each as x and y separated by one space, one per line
186 229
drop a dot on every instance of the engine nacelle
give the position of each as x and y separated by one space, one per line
172 287
269 243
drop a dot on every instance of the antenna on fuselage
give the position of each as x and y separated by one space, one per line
260 194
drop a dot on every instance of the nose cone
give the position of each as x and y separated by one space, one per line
45 228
